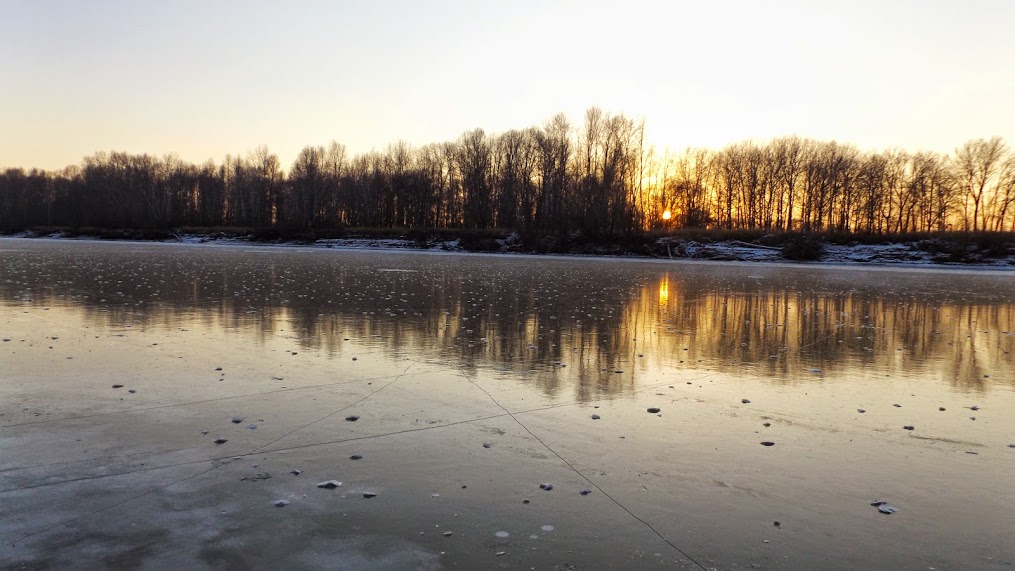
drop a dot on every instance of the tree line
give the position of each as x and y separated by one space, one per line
599 178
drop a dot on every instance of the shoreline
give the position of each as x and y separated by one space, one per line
889 253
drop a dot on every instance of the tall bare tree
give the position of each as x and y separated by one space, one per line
977 164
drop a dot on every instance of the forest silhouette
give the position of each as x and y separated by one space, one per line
598 179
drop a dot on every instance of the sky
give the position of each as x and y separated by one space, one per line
206 78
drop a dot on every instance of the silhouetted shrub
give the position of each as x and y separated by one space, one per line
993 245
478 240
803 249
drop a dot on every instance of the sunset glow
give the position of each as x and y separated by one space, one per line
208 79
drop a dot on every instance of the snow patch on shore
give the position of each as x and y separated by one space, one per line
727 250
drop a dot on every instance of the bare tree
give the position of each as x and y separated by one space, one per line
977 164
555 149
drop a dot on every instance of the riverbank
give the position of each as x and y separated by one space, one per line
954 249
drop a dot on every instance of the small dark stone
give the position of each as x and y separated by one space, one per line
767 424
117 386
974 407
280 503
1011 446
883 507
546 487
295 472
237 419
776 524
220 441
596 417
653 410
897 405
584 492
352 418
745 401
356 457
218 368
204 432
329 485
525 501
941 408
131 391
860 410
487 445
768 443
369 495
908 427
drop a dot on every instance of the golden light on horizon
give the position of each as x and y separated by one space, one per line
667 215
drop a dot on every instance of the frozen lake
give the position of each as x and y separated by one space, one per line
464 382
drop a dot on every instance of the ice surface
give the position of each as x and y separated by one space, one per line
454 351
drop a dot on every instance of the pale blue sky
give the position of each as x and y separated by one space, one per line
206 78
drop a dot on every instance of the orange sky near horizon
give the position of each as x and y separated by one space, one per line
208 79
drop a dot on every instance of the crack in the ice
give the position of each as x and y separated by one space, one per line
247 454
95 458
339 441
578 472
343 409
122 502
219 399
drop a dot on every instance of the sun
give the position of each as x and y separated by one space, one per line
667 215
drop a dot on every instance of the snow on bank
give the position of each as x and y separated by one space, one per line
867 254
728 250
